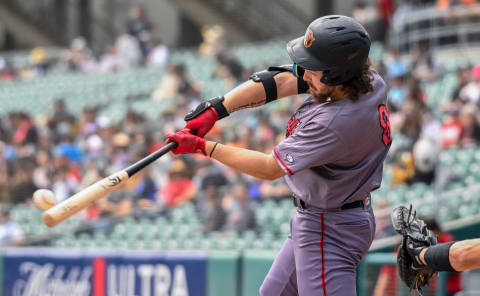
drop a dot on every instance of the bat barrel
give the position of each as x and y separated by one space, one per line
49 220
83 199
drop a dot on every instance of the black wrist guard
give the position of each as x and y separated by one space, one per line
438 257
216 103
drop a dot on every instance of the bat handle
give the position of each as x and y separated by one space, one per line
134 168
139 165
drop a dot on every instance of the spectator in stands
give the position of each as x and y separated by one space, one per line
397 93
415 93
88 123
7 74
210 175
38 58
240 214
158 57
213 41
61 122
119 155
463 79
274 190
425 158
69 149
10 232
116 205
179 188
424 67
229 68
43 172
79 57
175 84
410 119
471 125
368 16
60 113
386 9
214 215
25 132
431 127
452 127
22 184
403 168
64 184
138 25
397 65
128 51
470 93
110 61
145 193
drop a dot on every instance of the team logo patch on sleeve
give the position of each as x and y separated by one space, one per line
289 159
292 124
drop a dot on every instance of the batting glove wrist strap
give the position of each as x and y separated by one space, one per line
215 103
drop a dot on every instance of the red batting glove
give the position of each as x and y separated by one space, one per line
204 122
187 143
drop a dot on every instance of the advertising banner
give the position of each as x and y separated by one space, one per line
53 272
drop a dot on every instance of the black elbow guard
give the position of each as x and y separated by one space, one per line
266 78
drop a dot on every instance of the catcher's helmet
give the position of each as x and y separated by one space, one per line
335 44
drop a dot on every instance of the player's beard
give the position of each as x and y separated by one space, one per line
321 95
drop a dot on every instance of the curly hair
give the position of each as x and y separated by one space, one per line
360 84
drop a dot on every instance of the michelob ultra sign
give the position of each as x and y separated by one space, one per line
54 272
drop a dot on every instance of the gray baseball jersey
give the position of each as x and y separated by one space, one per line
333 153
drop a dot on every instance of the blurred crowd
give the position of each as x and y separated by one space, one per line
384 17
65 151
69 149
136 47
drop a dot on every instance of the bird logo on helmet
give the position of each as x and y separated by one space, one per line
308 39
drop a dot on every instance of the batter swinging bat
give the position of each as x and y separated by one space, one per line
102 188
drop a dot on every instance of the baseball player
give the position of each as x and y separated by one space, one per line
332 156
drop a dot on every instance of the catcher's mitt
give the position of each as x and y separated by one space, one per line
414 231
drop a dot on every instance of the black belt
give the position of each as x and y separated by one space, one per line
303 205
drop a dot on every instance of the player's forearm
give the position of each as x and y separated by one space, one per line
465 255
251 94
253 163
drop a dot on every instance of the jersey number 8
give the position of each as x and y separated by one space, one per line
385 124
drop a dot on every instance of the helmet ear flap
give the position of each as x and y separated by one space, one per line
334 77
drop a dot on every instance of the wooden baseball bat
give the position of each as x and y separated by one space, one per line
79 201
